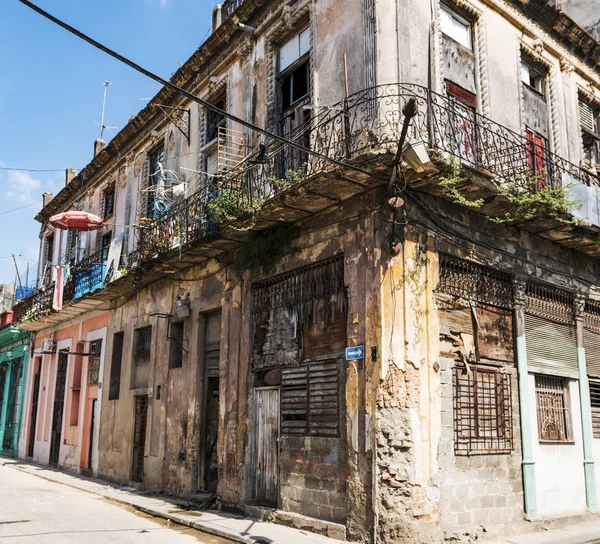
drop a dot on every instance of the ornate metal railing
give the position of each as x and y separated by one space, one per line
369 120
87 275
36 305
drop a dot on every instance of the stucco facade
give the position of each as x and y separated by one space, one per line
235 268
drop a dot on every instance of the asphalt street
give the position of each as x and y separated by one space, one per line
37 511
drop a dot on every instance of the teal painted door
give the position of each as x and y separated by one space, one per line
13 409
4 376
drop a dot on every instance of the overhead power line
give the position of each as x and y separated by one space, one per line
187 94
30 169
19 208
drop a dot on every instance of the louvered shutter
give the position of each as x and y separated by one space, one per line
551 347
586 117
595 405
591 342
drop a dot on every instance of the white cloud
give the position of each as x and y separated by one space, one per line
164 3
22 187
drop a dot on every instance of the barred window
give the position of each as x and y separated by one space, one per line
553 408
482 411
94 362
115 366
310 399
108 204
143 341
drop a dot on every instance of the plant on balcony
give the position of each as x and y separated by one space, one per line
451 182
292 177
531 196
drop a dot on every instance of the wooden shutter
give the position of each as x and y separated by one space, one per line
551 347
591 342
294 400
323 399
586 117
595 403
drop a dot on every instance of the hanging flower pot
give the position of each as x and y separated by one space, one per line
76 220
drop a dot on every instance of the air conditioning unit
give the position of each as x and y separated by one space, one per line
48 346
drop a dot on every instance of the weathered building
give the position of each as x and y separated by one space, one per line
239 266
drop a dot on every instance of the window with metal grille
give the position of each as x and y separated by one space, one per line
482 411
94 362
114 387
143 342
553 409
49 249
310 399
108 204
595 402
105 246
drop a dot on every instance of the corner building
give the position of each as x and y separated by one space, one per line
248 265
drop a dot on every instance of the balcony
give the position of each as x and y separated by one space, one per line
281 183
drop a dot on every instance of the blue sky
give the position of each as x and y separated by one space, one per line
51 93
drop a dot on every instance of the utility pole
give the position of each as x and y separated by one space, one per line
18 275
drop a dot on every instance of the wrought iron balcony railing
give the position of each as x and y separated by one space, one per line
229 6
36 305
366 121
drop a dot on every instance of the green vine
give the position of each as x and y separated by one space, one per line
292 177
451 182
266 247
530 196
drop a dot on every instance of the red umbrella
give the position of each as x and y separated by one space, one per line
75 220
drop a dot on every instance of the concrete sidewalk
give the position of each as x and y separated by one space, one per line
579 533
233 527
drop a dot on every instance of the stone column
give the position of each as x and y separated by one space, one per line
586 412
528 463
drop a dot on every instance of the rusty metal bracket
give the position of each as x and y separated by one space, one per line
180 117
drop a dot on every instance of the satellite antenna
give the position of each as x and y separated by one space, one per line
102 125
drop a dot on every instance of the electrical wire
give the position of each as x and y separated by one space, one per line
6 168
19 208
189 95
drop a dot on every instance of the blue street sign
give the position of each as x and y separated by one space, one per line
356 352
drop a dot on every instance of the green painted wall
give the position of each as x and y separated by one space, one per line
14 363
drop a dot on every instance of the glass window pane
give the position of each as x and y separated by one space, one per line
525 77
289 53
305 42
455 28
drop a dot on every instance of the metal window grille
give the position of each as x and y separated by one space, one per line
156 159
482 411
474 282
591 318
115 367
143 342
553 412
139 438
595 402
94 362
549 303
108 204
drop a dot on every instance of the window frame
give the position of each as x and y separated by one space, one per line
214 119
541 77
153 176
550 388
176 349
109 195
140 356
291 71
469 403
461 20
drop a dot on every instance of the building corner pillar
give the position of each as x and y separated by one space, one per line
586 412
528 463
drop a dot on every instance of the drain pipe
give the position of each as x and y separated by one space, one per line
528 464
586 414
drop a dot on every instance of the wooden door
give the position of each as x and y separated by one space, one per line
34 411
139 438
266 440
59 404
